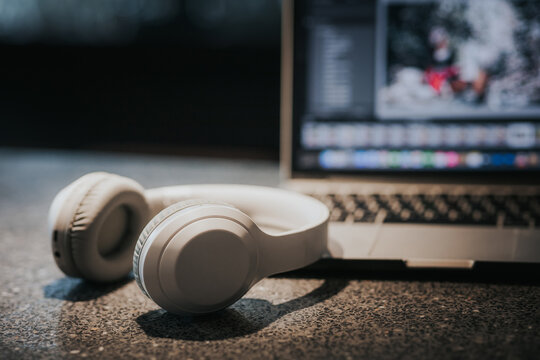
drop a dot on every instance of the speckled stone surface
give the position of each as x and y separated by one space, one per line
353 315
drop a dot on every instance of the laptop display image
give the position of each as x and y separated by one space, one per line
418 123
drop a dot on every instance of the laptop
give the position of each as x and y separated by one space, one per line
418 124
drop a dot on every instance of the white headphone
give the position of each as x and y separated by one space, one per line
207 245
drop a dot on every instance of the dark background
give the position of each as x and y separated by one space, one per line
202 78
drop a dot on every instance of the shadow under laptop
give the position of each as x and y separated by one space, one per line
74 290
481 273
244 317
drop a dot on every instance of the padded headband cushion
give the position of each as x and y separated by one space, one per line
153 224
110 213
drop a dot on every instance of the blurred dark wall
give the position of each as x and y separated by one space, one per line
174 85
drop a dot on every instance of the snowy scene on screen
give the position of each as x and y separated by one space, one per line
471 58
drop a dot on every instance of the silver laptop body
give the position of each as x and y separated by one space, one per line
449 203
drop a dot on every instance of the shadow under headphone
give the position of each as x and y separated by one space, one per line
201 247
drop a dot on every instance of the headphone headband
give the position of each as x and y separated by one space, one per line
296 223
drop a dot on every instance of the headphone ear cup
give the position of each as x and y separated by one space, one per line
153 224
103 214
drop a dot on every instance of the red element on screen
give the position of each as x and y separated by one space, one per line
436 78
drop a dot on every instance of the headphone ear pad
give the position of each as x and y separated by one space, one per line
103 215
153 224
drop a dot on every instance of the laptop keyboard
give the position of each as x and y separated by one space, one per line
486 210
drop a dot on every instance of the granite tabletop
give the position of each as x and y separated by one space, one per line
342 314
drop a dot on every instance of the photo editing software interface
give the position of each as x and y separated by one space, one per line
405 85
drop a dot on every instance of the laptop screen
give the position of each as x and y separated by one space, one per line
412 85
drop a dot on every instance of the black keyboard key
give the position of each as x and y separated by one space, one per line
368 217
337 214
